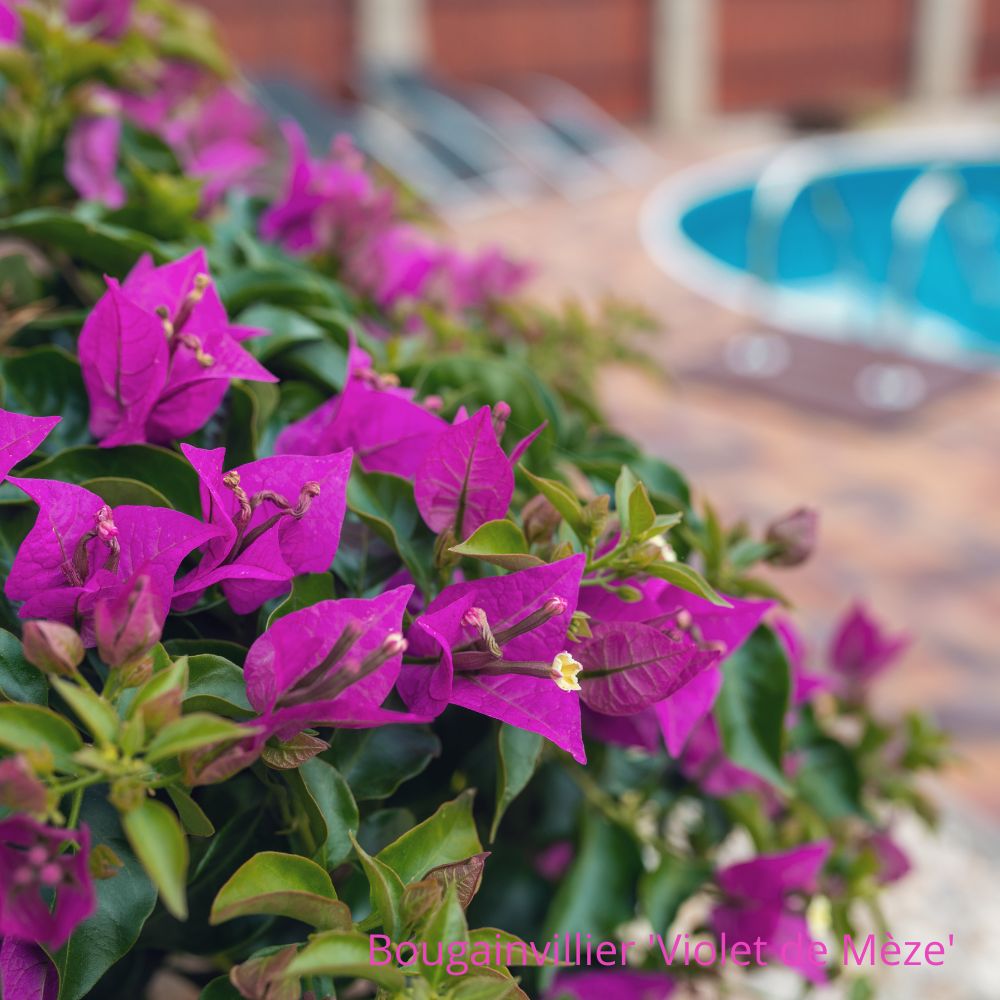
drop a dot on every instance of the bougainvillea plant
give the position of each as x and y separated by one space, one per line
334 616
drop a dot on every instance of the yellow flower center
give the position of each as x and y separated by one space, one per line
564 671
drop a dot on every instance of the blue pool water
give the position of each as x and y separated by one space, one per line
903 255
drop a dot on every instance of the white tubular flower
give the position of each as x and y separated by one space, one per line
564 671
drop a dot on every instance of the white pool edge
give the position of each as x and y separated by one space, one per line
683 260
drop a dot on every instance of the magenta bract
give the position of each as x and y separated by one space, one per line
757 901
535 703
10 25
861 650
158 352
330 204
709 626
330 664
20 435
105 18
26 972
377 420
633 665
35 864
92 159
704 760
274 519
80 550
610 984
465 479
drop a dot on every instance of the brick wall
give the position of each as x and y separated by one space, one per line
311 39
987 69
785 54
809 53
601 46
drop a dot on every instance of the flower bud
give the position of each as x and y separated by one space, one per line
793 537
579 627
20 789
565 671
556 606
394 644
501 414
628 594
127 794
596 513
163 709
52 647
539 519
128 626
265 978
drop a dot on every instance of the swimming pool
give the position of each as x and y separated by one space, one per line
889 238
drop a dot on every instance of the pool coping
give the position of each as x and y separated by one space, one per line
682 259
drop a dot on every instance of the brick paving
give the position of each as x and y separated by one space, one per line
911 522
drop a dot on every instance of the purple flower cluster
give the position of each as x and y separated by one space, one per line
158 352
333 205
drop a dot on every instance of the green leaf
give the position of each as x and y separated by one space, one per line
385 503
683 576
165 471
90 708
598 892
828 779
518 753
445 923
190 732
286 285
641 515
216 684
330 807
323 362
501 543
220 988
663 481
247 413
386 889
225 648
285 327
159 843
666 887
343 954
19 680
376 762
476 379
32 727
117 490
564 500
307 590
494 936
624 486
447 836
105 247
752 704
281 885
193 817
171 675
46 380
486 984
124 901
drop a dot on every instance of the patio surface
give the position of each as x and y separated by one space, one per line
911 525
911 520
